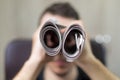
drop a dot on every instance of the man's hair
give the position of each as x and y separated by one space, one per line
62 9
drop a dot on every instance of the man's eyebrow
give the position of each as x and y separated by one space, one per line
60 26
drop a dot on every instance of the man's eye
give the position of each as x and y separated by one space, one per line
51 39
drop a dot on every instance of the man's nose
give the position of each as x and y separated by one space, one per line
60 55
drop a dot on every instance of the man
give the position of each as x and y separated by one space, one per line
57 68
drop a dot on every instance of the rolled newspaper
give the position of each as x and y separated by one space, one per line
73 42
70 42
51 32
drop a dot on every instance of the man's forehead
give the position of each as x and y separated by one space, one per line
59 19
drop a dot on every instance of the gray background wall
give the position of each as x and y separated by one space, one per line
18 19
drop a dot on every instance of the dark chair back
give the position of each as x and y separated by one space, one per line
17 52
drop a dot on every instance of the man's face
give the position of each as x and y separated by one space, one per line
58 65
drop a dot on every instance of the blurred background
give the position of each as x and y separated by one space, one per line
18 19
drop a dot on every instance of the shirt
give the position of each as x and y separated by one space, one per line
81 75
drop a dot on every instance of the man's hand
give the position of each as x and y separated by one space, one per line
38 52
36 61
91 65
